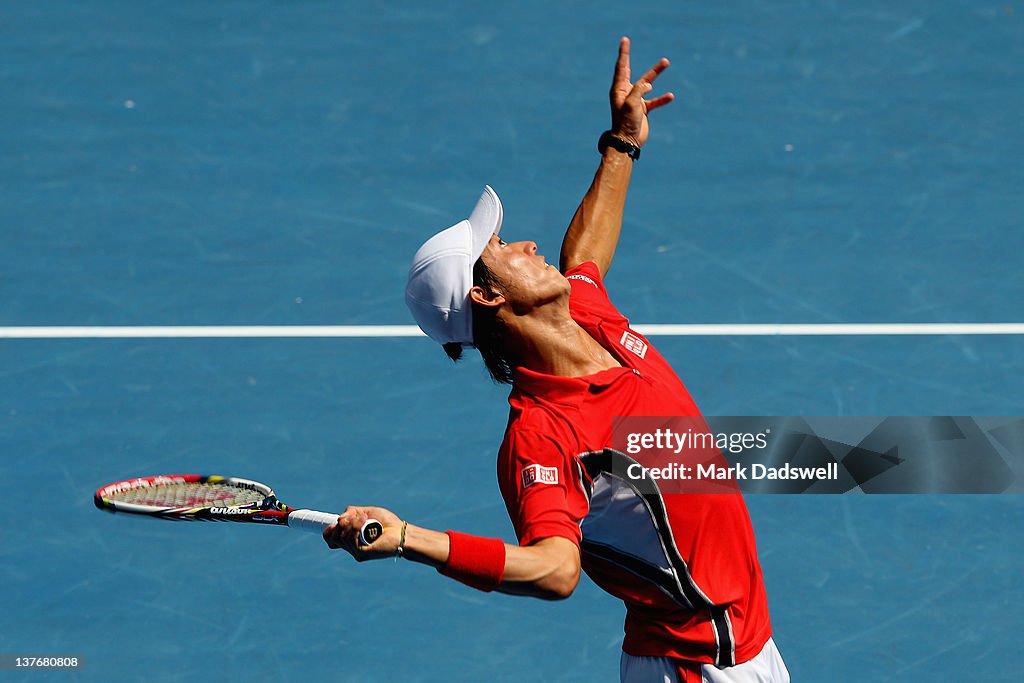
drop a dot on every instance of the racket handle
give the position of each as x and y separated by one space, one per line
311 520
370 531
316 522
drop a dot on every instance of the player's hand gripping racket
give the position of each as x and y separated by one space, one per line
230 499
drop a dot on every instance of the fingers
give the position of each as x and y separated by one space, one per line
344 533
659 101
652 74
640 88
623 89
655 70
645 85
622 64
645 82
352 519
337 537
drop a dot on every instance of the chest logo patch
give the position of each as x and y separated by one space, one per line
633 343
535 474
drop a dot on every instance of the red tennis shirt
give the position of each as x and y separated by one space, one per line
685 565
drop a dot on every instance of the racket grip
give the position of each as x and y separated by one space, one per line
315 522
311 520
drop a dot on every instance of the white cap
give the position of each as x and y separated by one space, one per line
441 273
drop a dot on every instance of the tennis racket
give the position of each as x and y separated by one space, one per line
221 499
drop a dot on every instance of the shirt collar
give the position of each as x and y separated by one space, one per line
567 390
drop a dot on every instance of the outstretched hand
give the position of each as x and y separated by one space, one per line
629 108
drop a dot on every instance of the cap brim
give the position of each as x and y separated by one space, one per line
485 221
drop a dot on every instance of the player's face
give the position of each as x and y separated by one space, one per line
528 278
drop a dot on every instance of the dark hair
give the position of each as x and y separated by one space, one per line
488 330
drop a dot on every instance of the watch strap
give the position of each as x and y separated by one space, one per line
609 140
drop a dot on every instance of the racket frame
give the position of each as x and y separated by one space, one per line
269 510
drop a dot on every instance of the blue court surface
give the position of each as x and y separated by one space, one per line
277 163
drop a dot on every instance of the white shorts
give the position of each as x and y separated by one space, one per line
766 667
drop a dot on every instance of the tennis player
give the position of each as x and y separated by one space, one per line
685 565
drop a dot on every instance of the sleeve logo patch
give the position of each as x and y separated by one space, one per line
535 474
577 276
633 343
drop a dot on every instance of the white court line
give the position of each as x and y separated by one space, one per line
694 330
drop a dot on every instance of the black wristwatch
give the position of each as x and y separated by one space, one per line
608 140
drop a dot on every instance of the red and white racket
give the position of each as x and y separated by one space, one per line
212 498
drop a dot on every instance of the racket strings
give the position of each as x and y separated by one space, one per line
194 494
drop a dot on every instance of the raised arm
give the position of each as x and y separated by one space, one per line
594 230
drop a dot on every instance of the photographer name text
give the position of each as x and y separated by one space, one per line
712 472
